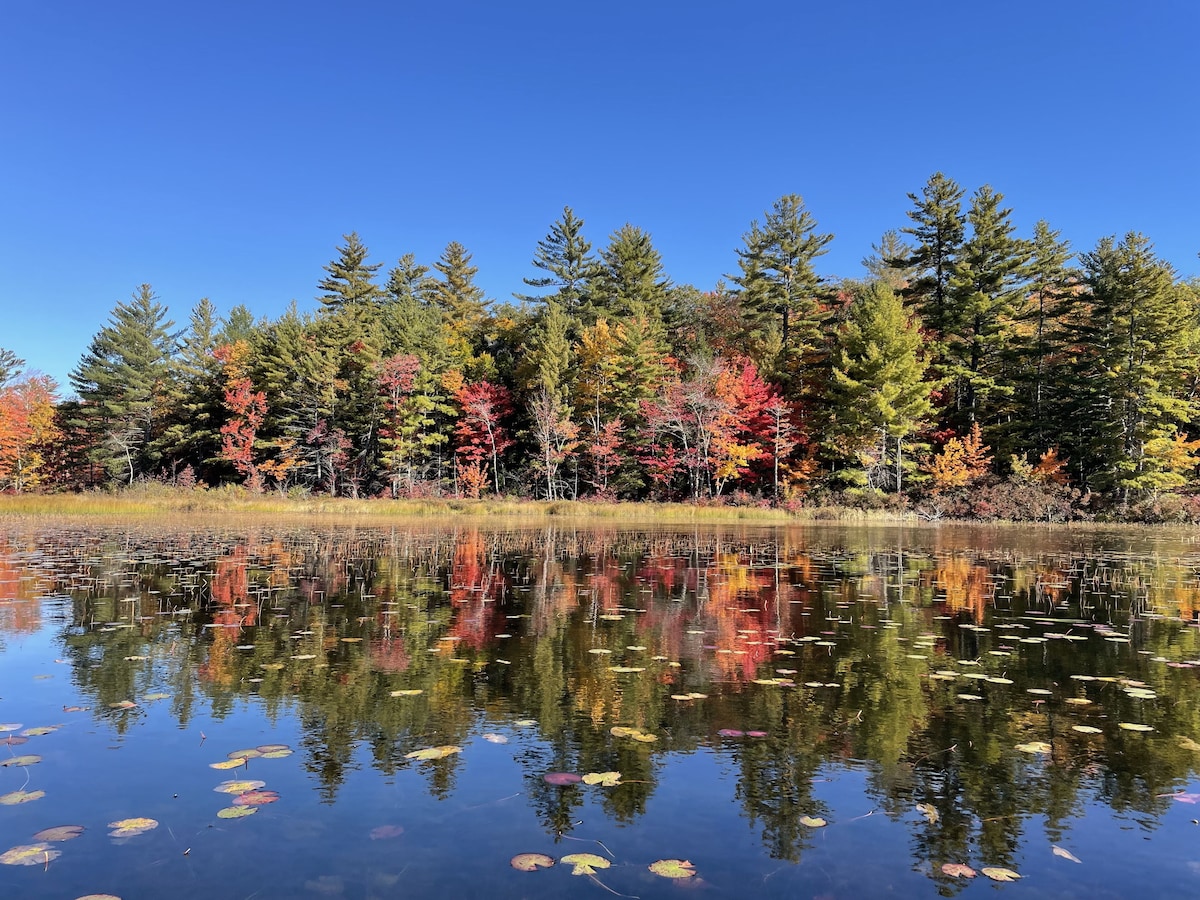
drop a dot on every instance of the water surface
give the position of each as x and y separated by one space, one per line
798 712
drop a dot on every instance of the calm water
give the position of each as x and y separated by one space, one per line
818 713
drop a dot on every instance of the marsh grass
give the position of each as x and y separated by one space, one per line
158 501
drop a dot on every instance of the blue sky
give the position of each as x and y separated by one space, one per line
222 149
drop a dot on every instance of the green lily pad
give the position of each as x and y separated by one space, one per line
252 753
673 868
277 754
130 827
27 760
999 873
40 730
12 799
585 863
236 812
604 779
434 752
29 855
227 764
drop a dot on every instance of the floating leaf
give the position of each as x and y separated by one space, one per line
29 855
27 760
585 863
227 764
1078 701
130 827
999 873
383 832
957 870
16 797
625 670
637 735
1134 726
40 730
756 734
59 833
266 749
1188 744
98 897
1066 854
239 787
998 680
560 779
407 692
236 812
434 752
255 798
1086 729
604 779
1183 797
10 726
673 868
531 862
122 704
731 732
1034 747
13 740
245 754
930 814
525 723
813 821
495 738
157 696
276 754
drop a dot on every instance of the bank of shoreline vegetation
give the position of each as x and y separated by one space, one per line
971 374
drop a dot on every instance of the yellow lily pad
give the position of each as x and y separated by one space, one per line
999 873
130 827
673 868
604 779
29 855
585 863
15 797
813 821
531 862
236 812
239 787
434 752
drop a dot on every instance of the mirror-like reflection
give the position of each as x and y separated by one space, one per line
840 712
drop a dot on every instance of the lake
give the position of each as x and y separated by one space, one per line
260 711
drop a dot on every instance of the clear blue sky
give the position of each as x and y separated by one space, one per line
221 149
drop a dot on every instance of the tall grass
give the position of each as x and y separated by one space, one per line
155 501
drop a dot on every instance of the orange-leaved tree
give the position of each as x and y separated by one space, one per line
27 426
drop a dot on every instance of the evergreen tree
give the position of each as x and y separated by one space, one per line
565 255
880 394
1040 350
938 226
239 325
411 322
986 294
1133 372
632 282
887 261
463 307
351 281
193 394
779 287
120 382
10 366
549 357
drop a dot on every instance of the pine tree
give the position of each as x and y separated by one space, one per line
986 292
938 226
120 382
565 255
191 436
549 357
779 286
632 282
463 307
1132 376
880 394
351 281
887 261
10 366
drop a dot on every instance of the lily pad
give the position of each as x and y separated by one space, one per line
255 798
122 704
12 799
434 752
604 779
1086 729
999 873
813 821
59 833
560 779
407 692
585 863
276 754
27 760
130 827
252 753
957 870
40 730
236 812
494 738
531 862
227 764
1058 851
731 732
10 726
157 696
29 855
1134 726
1034 747
673 868
927 810
266 749
239 787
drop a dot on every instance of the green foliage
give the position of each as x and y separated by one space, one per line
351 280
565 255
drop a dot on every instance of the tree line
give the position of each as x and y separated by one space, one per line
971 371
